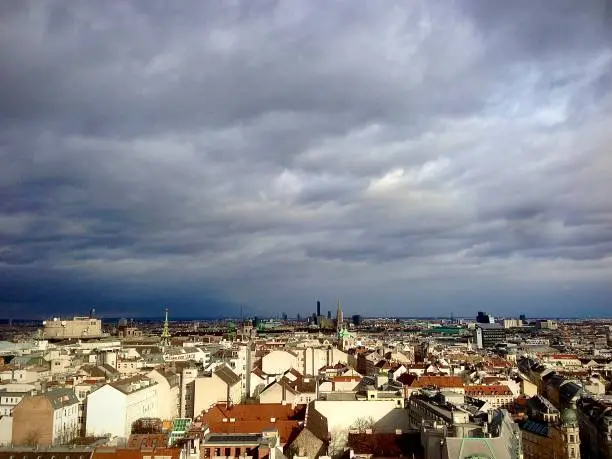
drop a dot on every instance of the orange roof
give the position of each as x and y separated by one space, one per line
407 378
437 381
498 389
140 441
563 356
498 363
256 412
287 430
124 453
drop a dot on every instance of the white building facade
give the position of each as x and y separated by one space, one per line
113 408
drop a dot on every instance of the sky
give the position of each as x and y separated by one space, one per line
412 158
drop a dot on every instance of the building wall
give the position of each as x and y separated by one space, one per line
129 367
311 359
168 397
8 401
276 394
187 392
554 446
278 362
106 412
341 415
79 327
528 388
33 422
65 424
142 403
110 411
6 430
211 390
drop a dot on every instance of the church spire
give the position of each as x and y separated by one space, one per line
165 336
339 317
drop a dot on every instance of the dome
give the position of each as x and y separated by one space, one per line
344 333
569 416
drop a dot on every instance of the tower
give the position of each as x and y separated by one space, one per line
570 433
339 317
165 336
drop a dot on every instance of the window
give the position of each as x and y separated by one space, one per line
572 439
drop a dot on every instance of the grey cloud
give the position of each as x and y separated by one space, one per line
262 151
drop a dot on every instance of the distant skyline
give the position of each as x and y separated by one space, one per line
412 158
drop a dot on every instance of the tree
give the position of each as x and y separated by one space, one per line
362 424
337 443
32 437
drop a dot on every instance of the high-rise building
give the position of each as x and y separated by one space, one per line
487 335
485 318
357 319
318 308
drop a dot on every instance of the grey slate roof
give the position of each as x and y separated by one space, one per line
227 375
61 397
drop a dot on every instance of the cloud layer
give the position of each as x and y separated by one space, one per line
412 158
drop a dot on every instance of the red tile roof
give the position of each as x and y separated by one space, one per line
440 382
563 356
287 430
254 412
140 441
125 453
498 389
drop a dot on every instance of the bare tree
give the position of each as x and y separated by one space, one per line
337 443
32 438
362 424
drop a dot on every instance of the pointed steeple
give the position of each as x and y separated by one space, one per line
165 336
339 317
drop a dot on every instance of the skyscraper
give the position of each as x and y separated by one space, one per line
318 308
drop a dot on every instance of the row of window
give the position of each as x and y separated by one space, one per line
40 457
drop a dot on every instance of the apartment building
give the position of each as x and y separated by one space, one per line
222 386
47 419
114 407
497 396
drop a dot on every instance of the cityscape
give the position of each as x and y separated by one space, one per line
325 385
306 229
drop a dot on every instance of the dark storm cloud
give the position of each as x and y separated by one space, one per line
272 152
